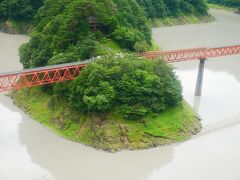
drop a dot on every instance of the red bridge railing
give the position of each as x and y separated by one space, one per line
59 73
38 77
192 54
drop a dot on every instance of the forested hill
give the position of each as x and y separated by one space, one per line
118 102
229 3
19 9
234 4
164 8
63 33
26 9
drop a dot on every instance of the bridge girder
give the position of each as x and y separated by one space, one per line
53 74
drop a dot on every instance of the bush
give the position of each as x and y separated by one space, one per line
136 87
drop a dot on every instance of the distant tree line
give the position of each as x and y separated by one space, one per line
163 8
27 9
19 9
229 3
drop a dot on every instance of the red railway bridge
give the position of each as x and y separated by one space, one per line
58 73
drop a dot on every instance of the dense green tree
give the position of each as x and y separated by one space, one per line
163 8
19 9
137 87
187 7
230 3
63 33
200 6
173 6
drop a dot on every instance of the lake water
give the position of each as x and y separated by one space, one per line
28 151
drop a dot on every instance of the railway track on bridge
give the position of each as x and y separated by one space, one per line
58 73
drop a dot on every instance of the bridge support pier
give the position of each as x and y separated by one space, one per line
198 90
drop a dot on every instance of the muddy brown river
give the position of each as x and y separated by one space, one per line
28 151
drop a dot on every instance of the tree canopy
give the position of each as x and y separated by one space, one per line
19 9
230 3
163 8
136 86
63 30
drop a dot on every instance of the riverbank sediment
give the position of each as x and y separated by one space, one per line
15 27
230 9
181 20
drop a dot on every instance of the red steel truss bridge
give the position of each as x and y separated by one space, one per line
58 73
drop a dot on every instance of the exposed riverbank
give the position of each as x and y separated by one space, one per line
181 20
15 27
231 9
110 132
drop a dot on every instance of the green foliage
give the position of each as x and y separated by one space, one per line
138 87
132 112
19 9
200 6
63 30
127 37
63 33
229 3
166 8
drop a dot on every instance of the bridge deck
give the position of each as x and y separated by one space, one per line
58 73
51 67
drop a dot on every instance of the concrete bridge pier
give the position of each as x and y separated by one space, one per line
198 90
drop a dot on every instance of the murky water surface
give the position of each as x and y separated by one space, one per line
28 151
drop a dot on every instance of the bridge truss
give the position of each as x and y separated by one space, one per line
192 54
52 74
38 77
